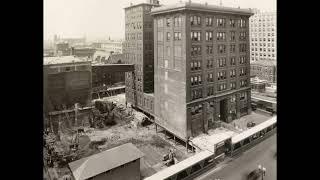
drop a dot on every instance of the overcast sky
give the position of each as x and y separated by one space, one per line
104 18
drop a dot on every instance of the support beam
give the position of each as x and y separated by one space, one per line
187 145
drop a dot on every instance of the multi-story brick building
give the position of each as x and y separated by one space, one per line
202 66
263 36
264 70
62 49
83 52
138 50
66 81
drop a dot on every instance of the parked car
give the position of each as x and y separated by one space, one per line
250 124
254 175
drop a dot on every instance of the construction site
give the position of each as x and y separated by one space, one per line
106 123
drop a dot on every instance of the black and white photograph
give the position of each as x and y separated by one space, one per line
159 90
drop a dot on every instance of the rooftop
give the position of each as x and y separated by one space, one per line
62 60
167 172
141 4
208 141
253 130
96 164
259 97
200 7
264 63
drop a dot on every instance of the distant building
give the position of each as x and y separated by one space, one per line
112 46
263 36
201 59
116 58
101 57
70 41
62 49
67 80
258 85
83 52
264 70
119 163
138 50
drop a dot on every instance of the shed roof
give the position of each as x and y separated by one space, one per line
96 164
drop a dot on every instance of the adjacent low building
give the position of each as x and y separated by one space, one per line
258 85
264 70
67 80
119 163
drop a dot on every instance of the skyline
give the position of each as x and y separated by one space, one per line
98 19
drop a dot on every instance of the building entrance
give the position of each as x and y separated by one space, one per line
223 110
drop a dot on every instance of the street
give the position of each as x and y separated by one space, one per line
238 169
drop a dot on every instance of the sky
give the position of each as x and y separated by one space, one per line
103 18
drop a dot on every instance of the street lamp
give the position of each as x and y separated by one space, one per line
262 170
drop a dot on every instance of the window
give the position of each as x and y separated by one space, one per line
222 75
209 49
195 50
222 62
242 72
242 60
195 20
233 61
165 88
222 87
168 36
208 21
242 23
195 35
196 94
221 48
210 77
233 98
177 21
196 80
177 51
195 65
233 86
242 36
197 109
168 22
242 47
210 91
232 73
232 36
243 83
160 51
221 36
232 23
209 35
210 63
168 50
166 63
221 22
160 36
177 35
232 48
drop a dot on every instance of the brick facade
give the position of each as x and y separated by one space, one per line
193 76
